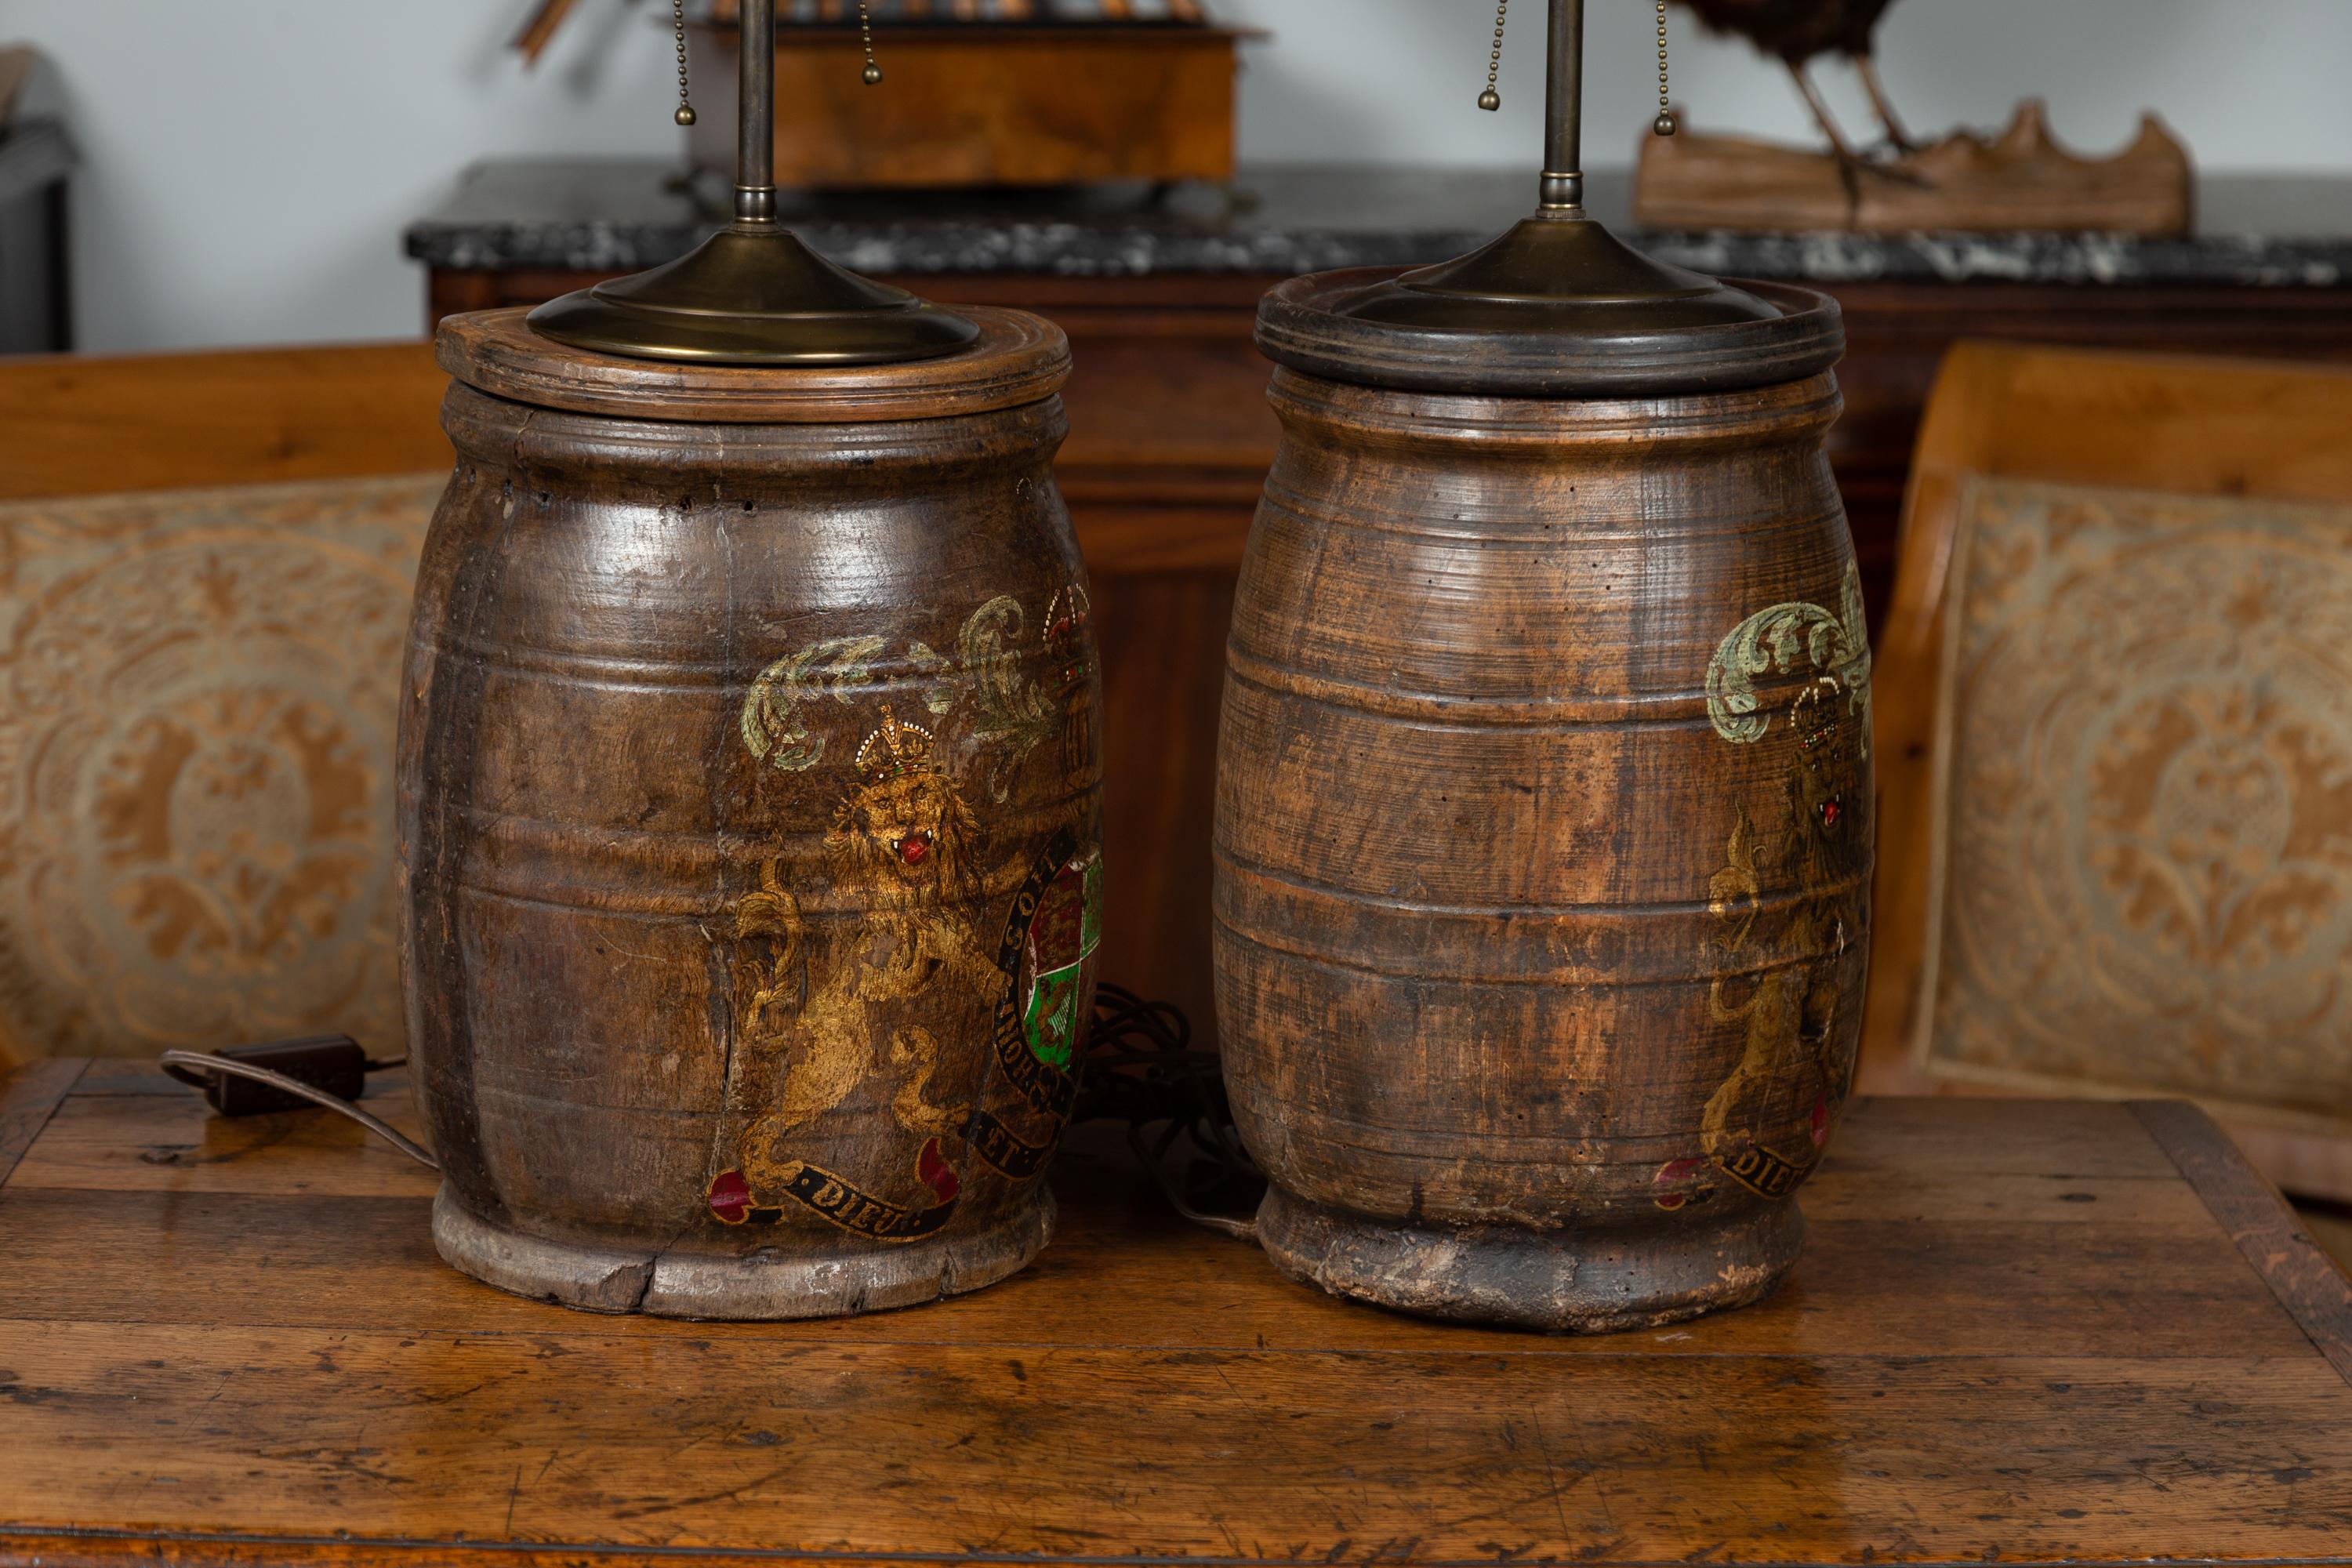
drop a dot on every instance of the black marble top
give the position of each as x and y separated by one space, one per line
619 215
34 155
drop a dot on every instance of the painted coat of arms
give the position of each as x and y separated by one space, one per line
908 1008
1790 899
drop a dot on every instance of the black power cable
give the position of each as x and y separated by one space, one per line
1141 1068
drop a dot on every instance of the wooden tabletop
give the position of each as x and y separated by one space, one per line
2022 1331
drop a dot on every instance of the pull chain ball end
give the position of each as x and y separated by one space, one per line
685 115
1664 124
873 76
1490 99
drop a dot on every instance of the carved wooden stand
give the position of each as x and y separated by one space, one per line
2019 180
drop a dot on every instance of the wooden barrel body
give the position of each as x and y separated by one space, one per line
1543 844
749 805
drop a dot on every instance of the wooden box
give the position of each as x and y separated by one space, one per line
976 105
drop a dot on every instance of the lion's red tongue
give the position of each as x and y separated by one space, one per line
914 849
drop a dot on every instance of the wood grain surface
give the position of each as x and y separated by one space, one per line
965 106
2020 1333
2021 179
2300 1272
1017 359
32 1096
75 425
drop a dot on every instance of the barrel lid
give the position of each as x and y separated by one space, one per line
1556 306
1013 358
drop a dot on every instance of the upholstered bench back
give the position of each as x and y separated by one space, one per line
196 764
206 564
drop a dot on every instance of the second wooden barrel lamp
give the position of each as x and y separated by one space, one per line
1544 818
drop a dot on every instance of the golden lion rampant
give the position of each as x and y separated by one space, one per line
1795 1048
899 849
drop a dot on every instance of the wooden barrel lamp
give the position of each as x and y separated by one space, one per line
1544 817
750 787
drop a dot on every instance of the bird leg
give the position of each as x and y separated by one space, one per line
1868 66
1849 162
1852 165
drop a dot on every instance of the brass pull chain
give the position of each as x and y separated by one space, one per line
1490 99
685 115
1664 124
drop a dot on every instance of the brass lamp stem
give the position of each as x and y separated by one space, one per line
1563 169
755 150
1557 277
753 293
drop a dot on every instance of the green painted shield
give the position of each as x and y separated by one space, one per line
1063 937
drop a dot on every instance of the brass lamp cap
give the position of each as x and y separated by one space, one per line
1556 272
1555 307
753 293
1558 307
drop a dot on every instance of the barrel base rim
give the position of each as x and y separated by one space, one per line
861 1277
1561 1281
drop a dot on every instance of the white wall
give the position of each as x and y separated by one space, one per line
2247 84
250 165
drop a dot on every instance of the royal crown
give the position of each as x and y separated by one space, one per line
895 748
1814 713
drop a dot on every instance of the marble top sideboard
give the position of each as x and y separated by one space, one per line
609 214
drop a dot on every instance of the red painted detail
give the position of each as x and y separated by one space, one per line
915 848
1675 1170
731 1197
932 1167
1831 812
1820 1121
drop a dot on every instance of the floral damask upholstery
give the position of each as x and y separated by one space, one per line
195 764
2142 873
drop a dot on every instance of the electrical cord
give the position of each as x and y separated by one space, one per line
1142 1070
1138 1066
205 1062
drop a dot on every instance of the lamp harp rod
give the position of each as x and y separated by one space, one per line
1563 169
755 153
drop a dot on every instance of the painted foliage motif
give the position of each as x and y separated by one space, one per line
876 1013
1790 900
